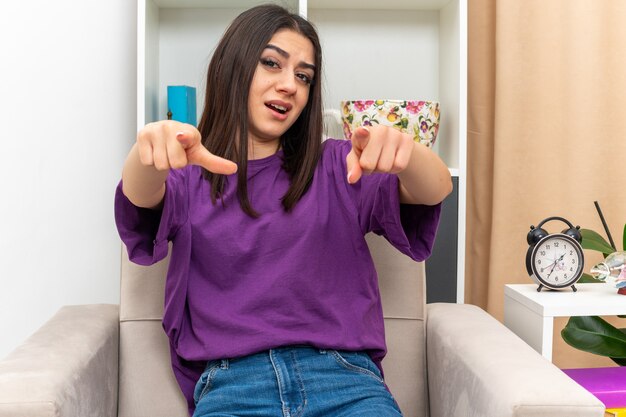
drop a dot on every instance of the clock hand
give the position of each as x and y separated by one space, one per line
555 264
552 270
560 262
554 261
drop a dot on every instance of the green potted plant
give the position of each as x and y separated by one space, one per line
591 333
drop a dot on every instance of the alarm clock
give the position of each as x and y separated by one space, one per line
555 260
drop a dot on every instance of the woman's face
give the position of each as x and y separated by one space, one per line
280 86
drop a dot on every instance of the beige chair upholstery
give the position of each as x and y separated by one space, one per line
459 362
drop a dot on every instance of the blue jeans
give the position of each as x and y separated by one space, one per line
294 382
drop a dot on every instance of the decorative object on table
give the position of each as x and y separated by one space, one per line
418 118
591 333
181 102
612 270
554 260
595 242
606 384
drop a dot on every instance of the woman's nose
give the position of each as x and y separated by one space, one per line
286 83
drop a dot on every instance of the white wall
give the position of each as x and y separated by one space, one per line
67 120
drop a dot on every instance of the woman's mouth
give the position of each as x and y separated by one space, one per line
278 107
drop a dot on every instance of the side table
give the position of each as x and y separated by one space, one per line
530 314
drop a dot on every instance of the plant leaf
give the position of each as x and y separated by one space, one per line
619 361
593 241
594 335
589 279
624 238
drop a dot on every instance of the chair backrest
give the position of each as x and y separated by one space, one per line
402 288
147 384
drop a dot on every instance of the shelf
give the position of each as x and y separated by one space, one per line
396 54
312 4
413 49
219 4
379 5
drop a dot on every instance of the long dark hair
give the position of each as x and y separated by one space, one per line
225 117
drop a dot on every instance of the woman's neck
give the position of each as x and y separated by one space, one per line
260 150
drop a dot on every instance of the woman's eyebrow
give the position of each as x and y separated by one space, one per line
285 54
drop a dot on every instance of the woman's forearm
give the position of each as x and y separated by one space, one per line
143 185
426 179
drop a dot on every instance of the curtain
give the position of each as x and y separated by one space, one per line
546 136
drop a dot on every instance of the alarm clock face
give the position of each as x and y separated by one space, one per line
557 261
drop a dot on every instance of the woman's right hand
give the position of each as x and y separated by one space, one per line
169 144
162 146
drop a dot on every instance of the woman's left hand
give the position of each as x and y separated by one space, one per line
423 176
378 149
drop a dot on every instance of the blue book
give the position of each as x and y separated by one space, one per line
181 102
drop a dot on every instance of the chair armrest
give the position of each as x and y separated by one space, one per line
68 368
478 367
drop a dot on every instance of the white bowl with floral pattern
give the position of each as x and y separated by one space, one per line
418 118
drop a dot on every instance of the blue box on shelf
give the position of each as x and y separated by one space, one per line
181 102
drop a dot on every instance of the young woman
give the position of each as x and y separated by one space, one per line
272 305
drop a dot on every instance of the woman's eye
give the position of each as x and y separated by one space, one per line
304 78
269 63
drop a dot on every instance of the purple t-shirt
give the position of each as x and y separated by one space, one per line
237 285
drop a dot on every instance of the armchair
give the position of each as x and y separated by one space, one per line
443 360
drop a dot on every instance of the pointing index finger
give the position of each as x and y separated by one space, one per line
215 164
197 154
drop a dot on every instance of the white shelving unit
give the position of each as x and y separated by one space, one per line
413 49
